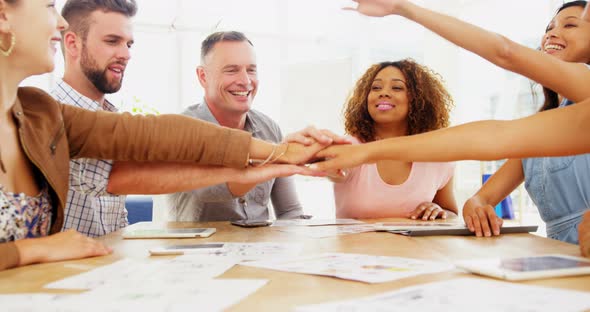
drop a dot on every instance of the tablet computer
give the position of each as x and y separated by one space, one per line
446 229
169 233
182 249
525 268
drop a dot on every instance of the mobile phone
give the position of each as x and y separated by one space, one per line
251 223
182 249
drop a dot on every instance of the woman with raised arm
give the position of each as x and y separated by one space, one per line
561 67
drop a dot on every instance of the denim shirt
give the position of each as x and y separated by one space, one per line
560 187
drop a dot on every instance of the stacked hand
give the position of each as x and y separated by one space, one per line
341 157
305 145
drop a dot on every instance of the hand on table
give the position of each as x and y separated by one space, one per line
66 245
428 211
481 218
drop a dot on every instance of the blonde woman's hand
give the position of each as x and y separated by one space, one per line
62 246
481 218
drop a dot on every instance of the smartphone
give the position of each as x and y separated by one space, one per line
251 223
182 249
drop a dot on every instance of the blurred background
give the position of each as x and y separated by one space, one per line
310 53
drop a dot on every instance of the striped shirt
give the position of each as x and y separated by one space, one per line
89 208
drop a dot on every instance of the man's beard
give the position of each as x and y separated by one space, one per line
97 76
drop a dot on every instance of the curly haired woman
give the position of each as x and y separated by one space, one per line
394 99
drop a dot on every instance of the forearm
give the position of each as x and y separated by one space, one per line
261 150
165 178
552 133
9 256
30 250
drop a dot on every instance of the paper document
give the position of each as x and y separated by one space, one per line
121 296
356 267
127 269
465 295
181 295
31 302
242 251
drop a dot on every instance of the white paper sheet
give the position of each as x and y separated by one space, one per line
328 231
181 295
127 269
30 302
149 295
315 222
356 267
465 295
249 251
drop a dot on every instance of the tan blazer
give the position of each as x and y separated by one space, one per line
52 133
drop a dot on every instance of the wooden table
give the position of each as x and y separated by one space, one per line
287 290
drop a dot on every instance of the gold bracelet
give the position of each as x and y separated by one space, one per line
267 160
282 153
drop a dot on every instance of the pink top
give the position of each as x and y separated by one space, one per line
365 195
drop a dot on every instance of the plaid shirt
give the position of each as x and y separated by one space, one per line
89 208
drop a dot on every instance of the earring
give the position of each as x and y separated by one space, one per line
8 51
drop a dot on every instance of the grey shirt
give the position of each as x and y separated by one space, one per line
216 203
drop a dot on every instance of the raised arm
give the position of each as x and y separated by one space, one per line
568 79
551 133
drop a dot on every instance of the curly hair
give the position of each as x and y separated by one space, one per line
429 101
